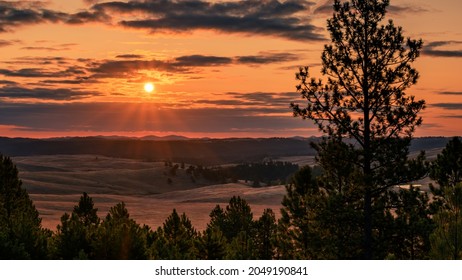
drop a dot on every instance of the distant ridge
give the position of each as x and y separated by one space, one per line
153 148
168 137
118 137
180 148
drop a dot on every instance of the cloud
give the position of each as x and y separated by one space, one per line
326 8
450 92
433 49
128 67
76 81
106 117
51 70
91 2
262 102
51 49
223 102
266 58
5 43
7 82
48 60
263 98
201 61
61 70
42 73
21 13
87 17
229 113
59 94
286 19
60 47
448 106
130 56
406 9
452 116
14 14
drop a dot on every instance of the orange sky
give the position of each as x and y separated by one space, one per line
220 68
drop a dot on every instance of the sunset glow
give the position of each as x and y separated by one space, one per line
83 67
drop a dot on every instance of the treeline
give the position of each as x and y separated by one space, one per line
196 151
267 173
232 233
316 222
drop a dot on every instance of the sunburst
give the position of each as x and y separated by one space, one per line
149 87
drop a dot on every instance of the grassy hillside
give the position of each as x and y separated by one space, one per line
55 184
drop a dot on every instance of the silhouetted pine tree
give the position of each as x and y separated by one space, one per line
85 211
367 68
446 170
413 224
21 233
298 226
265 239
176 239
212 244
446 240
75 236
119 237
238 218
237 225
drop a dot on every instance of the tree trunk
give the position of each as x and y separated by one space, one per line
367 149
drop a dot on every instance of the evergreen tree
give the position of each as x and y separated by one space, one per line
85 211
298 224
236 224
342 210
238 227
119 237
176 239
446 170
285 245
343 213
368 68
217 218
77 232
212 244
71 240
413 224
241 247
238 218
21 233
265 239
446 240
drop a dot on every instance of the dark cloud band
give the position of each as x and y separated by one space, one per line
129 65
13 91
448 106
102 117
434 49
286 19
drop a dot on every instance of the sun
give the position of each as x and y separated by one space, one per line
149 87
